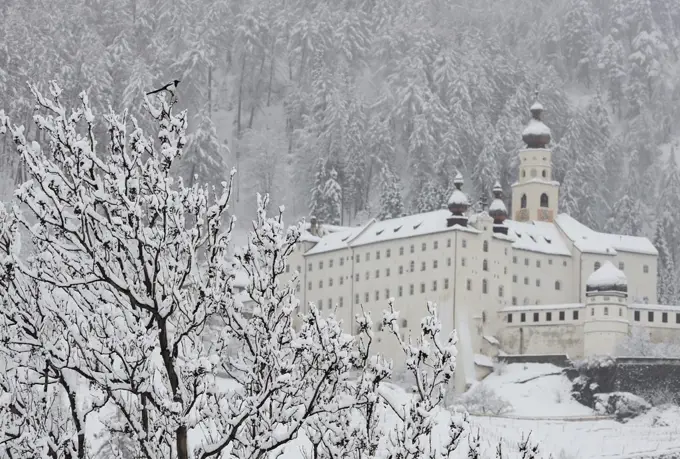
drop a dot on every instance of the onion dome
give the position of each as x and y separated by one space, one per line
536 134
607 278
497 209
458 204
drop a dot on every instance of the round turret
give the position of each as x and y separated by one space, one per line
497 209
458 202
608 278
536 134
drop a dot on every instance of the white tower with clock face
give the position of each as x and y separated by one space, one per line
534 196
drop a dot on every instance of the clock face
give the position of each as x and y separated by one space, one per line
545 215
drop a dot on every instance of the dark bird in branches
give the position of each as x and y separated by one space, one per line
170 87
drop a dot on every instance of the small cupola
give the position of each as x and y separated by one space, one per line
536 134
608 278
498 211
458 204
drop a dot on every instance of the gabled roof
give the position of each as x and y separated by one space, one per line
541 237
588 241
335 241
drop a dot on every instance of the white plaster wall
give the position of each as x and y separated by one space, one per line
605 324
641 285
531 267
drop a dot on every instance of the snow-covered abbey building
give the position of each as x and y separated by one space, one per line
538 283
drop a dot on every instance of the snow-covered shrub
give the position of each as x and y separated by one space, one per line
595 375
481 399
623 405
661 396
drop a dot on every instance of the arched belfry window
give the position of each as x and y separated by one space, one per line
543 173
523 201
544 200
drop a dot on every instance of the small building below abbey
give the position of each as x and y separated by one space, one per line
529 281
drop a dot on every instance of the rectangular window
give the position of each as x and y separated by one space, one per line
356 277
377 254
388 253
636 316
401 250
448 261
538 282
321 265
538 263
509 318
330 304
309 267
358 258
436 245
424 246
535 317
320 304
342 280
446 283
677 317
514 260
366 297
309 285
413 248
621 265
550 261
526 262
448 243
526 281
575 315
368 256
645 269
377 295
561 315
330 263
606 311
469 284
340 301
514 301
377 273
342 261
356 298
523 317
422 287
592 311
548 316
387 272
368 275
320 284
464 243
434 285
422 266
664 317
330 282
401 270
387 294
434 264
410 289
400 290
514 278
650 316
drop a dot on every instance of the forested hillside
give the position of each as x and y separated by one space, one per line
358 108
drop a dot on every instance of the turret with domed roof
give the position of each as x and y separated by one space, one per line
497 210
458 203
534 195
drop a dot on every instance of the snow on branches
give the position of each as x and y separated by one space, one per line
128 267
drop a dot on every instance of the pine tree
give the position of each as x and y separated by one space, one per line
317 203
626 216
203 161
391 203
666 273
333 199
486 170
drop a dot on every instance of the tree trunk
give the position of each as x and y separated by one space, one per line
240 96
257 89
271 74
210 90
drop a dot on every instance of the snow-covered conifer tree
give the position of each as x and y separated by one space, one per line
391 203
317 200
332 192
203 161
666 275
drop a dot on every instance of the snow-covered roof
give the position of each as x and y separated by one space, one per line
607 275
336 241
536 106
542 307
482 360
458 197
408 226
491 340
536 127
497 205
588 241
655 307
306 236
542 237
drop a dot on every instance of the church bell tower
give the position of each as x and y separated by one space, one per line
534 196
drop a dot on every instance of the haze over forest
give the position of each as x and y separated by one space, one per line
389 94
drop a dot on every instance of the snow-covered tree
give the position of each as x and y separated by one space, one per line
332 192
203 161
391 203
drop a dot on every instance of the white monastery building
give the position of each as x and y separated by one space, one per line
539 283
